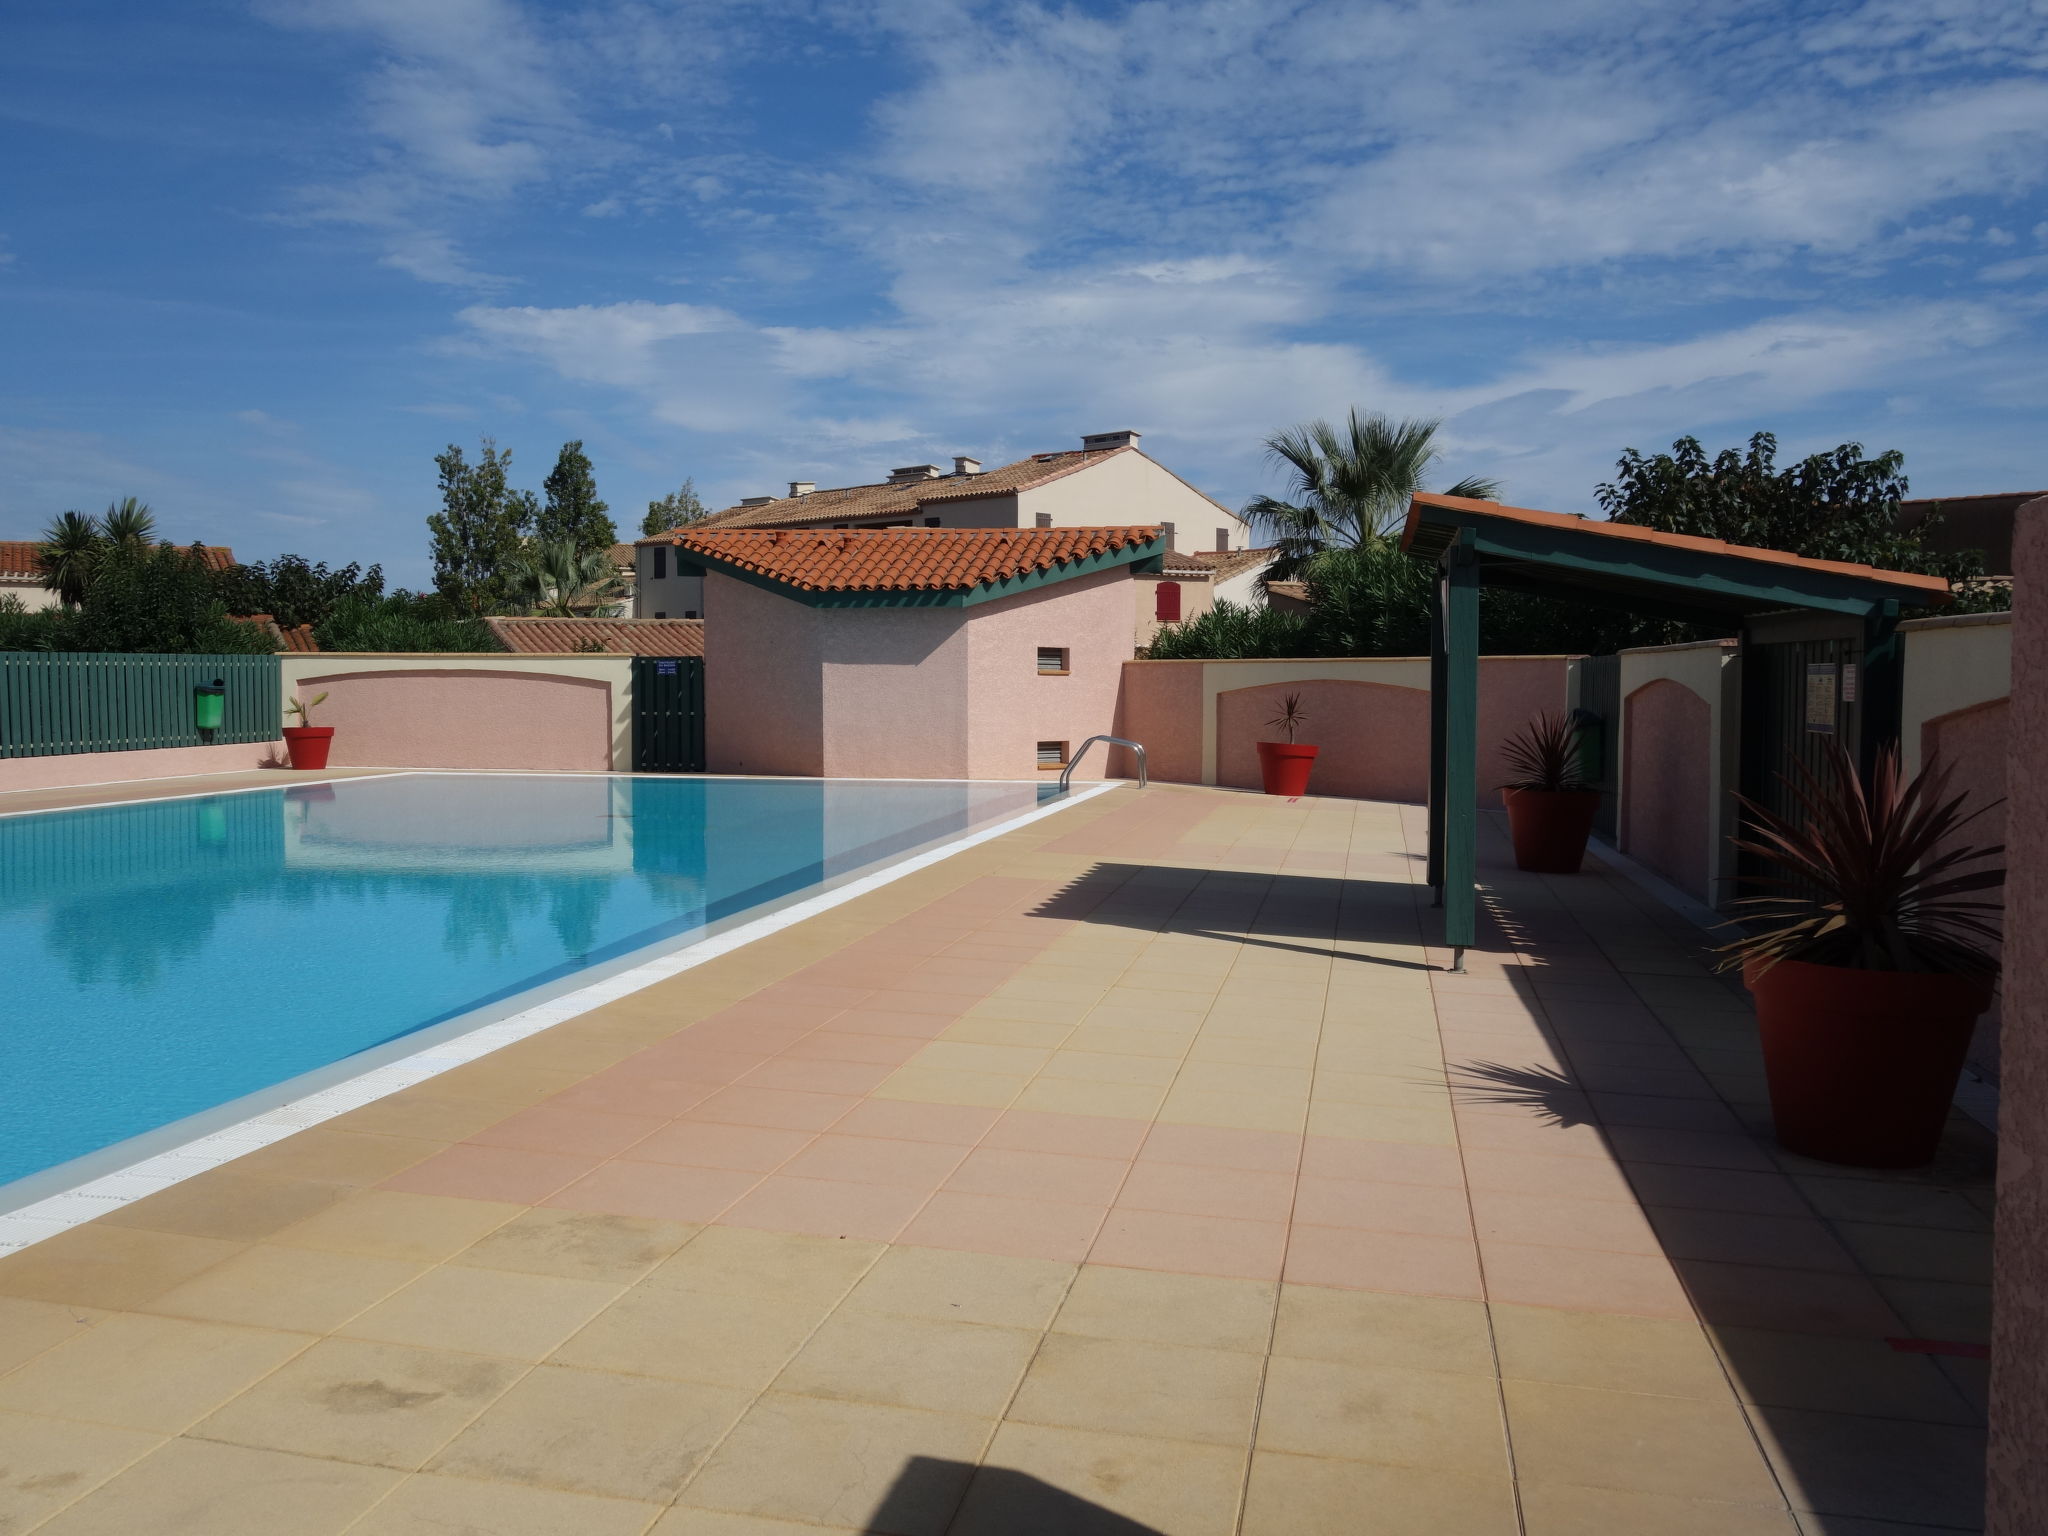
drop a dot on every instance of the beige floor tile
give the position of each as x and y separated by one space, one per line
972 1056
936 1085
963 1287
1160 1391
112 1267
1673 1445
578 1245
485 1312
1423 1124
1840 1375
422 1115
1034 1033
1039 1479
393 1225
1560 1510
1308 1496
329 1156
27 1328
628 1437
1233 1111
293 1288
228 1204
48 1463
1372 1328
1200 1311
1123 1033
1858 1468
1402 1090
1659 1355
843 1464
386 1405
1385 1413
1073 1096
723 1522
430 1505
153 1373
726 1341
198 1488
911 1362
1101 1067
738 1261
1263 1053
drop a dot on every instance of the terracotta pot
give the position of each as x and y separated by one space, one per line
1550 827
1284 766
1862 1065
308 744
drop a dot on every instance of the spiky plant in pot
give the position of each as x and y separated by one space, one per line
1284 766
1550 804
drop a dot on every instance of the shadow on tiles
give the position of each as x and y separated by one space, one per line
1000 1501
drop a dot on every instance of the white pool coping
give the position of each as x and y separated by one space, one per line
45 1218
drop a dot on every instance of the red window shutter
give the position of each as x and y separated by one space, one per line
1166 607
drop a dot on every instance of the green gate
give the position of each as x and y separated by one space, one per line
1801 692
668 714
1596 704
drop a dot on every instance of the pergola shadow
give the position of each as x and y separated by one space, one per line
997 1501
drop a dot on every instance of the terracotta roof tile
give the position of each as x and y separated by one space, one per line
904 559
623 637
1217 564
18 558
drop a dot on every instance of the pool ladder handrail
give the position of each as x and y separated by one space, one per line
1074 762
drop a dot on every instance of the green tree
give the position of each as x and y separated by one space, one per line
70 553
573 513
553 578
293 590
158 598
478 531
678 507
129 521
404 621
1347 486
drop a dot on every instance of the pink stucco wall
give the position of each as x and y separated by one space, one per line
1667 779
113 767
762 682
1160 704
1972 745
2019 1355
464 718
1014 708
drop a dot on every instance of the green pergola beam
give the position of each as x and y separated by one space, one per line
1439 661
1460 786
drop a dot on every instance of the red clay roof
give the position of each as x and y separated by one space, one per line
18 558
622 637
904 559
1216 564
1936 587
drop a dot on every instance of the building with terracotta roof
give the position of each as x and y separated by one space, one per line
944 653
1108 481
618 637
1189 585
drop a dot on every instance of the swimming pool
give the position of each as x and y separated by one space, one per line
167 958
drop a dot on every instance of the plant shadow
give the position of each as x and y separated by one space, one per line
932 1494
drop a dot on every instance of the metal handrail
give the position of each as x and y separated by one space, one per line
1074 762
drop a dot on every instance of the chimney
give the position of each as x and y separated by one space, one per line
1103 442
1166 533
802 487
755 501
962 465
910 474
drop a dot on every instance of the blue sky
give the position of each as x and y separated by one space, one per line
261 259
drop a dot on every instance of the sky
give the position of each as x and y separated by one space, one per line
261 260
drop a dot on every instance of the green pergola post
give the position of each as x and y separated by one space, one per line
1460 816
1438 665
1883 683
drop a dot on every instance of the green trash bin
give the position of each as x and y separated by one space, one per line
209 703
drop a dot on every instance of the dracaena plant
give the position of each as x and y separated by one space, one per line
1872 876
1544 755
1290 719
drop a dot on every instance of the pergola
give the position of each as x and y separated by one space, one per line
1612 565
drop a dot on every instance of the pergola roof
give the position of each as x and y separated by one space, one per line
1665 575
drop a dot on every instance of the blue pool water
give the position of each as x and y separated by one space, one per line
165 958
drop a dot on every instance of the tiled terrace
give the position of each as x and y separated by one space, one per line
1133 1172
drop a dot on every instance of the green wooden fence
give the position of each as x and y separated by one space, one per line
61 702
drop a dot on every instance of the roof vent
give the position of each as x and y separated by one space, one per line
1102 442
962 465
755 501
909 474
802 487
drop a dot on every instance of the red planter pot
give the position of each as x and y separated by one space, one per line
1862 1065
308 744
1284 766
1550 827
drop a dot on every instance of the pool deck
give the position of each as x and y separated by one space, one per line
1138 1170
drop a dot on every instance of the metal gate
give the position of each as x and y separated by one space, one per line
1596 703
668 714
1800 694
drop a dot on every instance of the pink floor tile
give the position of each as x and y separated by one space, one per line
813 1076
833 1045
1618 1109
874 1160
1527 1132
1246 1193
1409 1262
1040 1176
1716 1189
1206 1146
892 1019
614 1092
1191 1245
1696 1149
1557 1221
827 1208
907 1120
1030 1130
699 1062
493 1173
783 1108
709 1144
1379 1206
1783 1242
1583 1280
551 1127
654 1190
1537 1173
811 997
1398 1162
1791 1300
1025 1229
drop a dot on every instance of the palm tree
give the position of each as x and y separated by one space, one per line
552 578
128 521
71 550
1350 485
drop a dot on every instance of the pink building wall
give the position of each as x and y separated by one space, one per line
1160 704
1667 783
78 768
2018 1495
457 717
1972 744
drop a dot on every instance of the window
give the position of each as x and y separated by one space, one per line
1166 602
1052 754
931 522
660 562
661 615
1052 661
1043 520
689 613
1222 541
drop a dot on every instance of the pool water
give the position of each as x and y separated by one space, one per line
168 957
